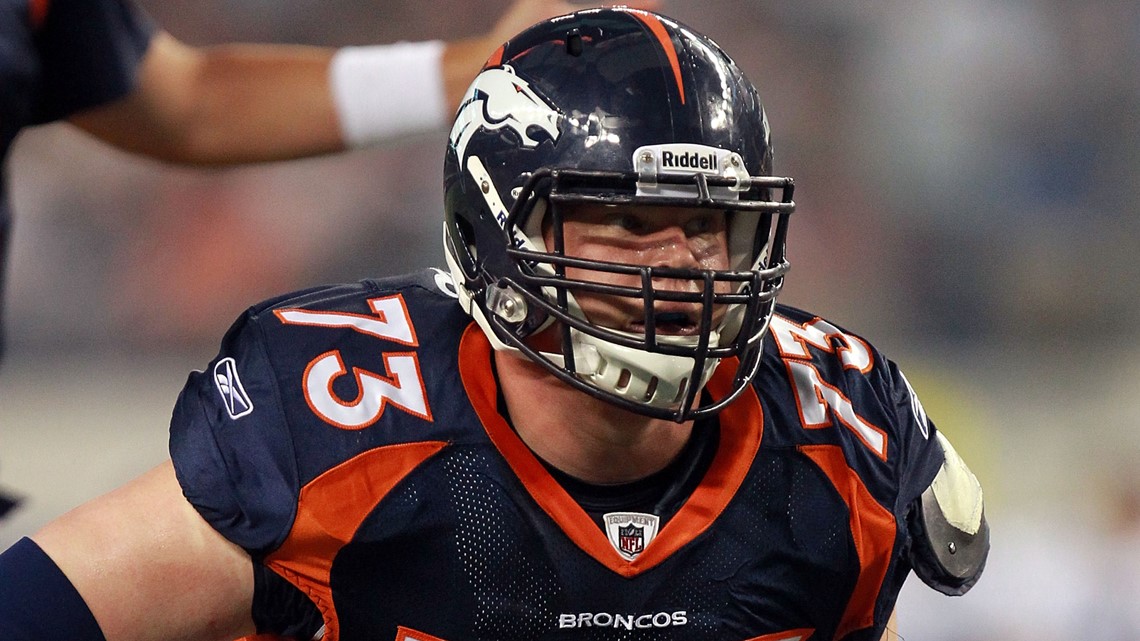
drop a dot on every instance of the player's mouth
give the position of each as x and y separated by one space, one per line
670 323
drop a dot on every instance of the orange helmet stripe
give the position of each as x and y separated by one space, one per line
496 58
659 31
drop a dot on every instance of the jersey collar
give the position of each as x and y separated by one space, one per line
741 430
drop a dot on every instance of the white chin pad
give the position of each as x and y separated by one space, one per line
657 380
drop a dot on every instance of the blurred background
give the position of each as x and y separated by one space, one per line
967 190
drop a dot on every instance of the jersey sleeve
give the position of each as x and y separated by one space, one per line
90 51
919 453
924 455
232 447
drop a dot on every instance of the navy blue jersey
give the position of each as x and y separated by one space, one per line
348 438
58 57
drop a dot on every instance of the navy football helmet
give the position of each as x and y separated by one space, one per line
615 107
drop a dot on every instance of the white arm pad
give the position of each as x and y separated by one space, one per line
958 491
386 92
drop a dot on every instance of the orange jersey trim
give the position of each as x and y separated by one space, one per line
740 435
331 508
872 527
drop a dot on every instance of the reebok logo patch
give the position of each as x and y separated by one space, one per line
229 386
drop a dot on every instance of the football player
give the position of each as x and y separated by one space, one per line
597 423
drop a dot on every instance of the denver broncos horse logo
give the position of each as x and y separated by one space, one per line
499 98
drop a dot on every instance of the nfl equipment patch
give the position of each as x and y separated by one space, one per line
630 532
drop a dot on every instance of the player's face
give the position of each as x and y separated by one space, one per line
677 237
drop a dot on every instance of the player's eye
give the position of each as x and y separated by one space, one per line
627 222
703 224
697 226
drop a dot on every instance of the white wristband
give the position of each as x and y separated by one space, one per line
385 92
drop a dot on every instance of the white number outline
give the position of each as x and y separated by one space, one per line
814 396
401 386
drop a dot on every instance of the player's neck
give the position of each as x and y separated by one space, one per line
582 436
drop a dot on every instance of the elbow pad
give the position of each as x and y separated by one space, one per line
951 536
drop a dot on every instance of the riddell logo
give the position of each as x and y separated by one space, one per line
690 160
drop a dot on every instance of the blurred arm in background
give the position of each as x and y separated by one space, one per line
239 103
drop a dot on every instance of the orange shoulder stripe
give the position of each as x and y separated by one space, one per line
873 529
330 510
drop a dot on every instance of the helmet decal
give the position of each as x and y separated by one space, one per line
499 98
